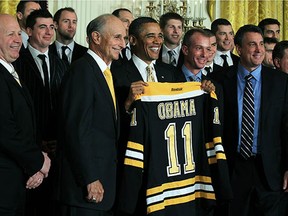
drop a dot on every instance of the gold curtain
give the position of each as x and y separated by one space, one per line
241 12
8 6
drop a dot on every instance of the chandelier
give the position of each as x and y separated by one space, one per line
190 10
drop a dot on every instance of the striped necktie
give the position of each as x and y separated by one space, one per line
247 130
16 77
150 76
172 57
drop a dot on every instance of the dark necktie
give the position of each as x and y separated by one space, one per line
45 70
172 57
208 69
124 57
64 56
47 94
247 130
225 63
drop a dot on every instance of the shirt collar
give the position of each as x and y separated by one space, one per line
103 66
59 45
165 49
8 66
243 72
188 73
34 52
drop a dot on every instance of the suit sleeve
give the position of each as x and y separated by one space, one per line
215 151
15 142
133 163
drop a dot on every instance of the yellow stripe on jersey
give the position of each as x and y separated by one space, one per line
177 184
179 200
170 91
136 146
133 162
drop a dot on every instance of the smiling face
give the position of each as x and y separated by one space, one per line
109 43
66 27
41 35
196 54
10 38
251 51
173 31
225 37
147 45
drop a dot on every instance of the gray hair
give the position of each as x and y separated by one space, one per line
98 25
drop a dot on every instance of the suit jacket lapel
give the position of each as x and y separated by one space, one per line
24 91
160 73
266 89
33 65
133 74
102 83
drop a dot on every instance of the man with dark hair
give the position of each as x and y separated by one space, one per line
224 33
65 20
172 25
270 28
210 64
42 73
255 129
19 154
146 39
90 124
280 56
269 44
196 49
24 8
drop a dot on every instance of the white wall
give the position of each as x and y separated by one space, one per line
89 9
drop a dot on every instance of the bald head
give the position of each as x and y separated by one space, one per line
10 38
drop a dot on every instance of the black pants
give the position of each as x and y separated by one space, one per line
67 210
252 196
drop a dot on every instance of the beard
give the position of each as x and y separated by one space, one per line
66 36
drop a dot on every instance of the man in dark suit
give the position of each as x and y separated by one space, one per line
256 152
89 124
224 33
172 25
65 20
43 82
146 39
20 157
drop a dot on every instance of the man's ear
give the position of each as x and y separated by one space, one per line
96 37
56 25
238 49
29 31
19 15
276 62
132 40
184 49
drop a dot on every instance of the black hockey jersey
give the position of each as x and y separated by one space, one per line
175 151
